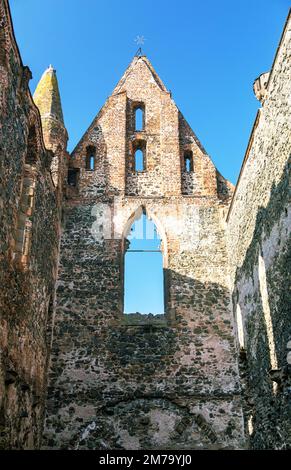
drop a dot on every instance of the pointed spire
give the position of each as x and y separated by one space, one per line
47 99
47 96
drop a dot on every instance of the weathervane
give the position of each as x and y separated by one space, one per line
140 42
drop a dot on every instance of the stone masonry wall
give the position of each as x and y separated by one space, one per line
213 372
145 385
27 265
259 245
136 381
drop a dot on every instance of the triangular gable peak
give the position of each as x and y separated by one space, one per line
138 67
173 160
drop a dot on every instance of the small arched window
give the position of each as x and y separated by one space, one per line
240 327
25 213
90 158
139 118
139 160
139 155
188 161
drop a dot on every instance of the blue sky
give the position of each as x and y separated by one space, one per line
208 53
143 287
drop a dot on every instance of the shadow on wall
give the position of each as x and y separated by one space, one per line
23 363
266 313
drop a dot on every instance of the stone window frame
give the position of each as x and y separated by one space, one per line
90 153
169 311
23 235
24 224
139 144
139 106
188 156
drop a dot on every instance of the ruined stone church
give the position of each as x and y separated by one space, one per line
76 372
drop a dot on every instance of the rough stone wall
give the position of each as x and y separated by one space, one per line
137 381
142 381
259 245
28 251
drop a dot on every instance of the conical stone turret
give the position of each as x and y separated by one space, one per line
48 100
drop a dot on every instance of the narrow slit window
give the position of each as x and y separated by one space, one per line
240 327
91 162
188 162
90 158
139 119
139 160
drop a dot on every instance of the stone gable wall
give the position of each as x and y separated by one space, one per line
138 381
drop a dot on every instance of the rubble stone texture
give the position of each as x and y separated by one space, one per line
29 240
182 380
144 385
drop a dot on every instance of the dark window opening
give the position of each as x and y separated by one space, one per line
73 176
90 158
143 269
32 147
139 118
188 162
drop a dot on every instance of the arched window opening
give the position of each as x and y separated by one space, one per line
139 155
143 269
91 162
139 160
90 158
73 175
32 147
188 162
139 118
